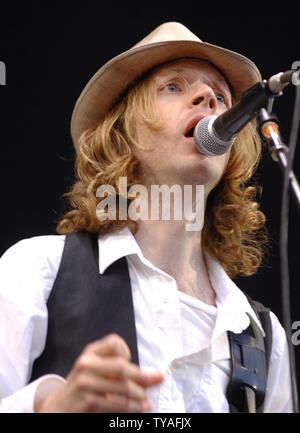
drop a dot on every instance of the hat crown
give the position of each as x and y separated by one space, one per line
170 31
168 42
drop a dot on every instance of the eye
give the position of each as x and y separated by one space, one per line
220 98
171 87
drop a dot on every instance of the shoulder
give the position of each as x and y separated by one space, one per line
276 330
275 333
279 391
279 340
30 263
39 248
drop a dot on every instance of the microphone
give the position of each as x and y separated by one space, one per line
214 135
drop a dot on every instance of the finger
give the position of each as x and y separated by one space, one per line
110 345
129 405
115 403
150 378
117 368
114 367
103 385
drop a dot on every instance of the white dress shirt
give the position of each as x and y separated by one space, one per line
177 334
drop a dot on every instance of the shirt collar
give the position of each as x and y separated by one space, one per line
230 299
114 245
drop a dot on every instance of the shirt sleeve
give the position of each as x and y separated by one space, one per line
23 400
27 273
278 393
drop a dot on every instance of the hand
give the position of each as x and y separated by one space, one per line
103 380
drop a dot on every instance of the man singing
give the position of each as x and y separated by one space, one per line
123 314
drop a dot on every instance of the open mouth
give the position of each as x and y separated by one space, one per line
190 133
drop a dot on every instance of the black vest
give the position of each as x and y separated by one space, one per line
85 306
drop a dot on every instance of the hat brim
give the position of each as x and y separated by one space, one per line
115 76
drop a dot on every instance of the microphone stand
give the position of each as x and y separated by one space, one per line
269 131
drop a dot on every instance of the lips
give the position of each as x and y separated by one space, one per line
189 130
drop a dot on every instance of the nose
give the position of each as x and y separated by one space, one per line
204 95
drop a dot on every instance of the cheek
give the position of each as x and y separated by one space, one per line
155 141
148 146
146 138
170 115
163 107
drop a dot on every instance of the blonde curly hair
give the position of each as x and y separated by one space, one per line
233 227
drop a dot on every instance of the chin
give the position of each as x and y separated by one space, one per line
200 172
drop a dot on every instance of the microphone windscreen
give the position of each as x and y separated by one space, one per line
205 139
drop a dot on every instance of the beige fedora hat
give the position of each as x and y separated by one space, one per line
169 41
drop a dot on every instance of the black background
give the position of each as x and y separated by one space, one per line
51 49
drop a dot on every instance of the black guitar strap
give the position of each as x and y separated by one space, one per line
250 354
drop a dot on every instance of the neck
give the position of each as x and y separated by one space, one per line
178 252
